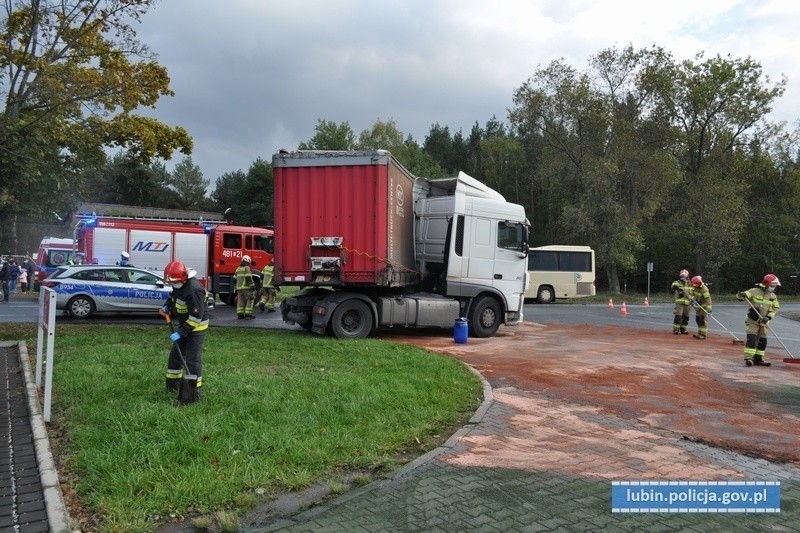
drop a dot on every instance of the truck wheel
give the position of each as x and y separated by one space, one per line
485 317
351 320
229 298
80 307
546 295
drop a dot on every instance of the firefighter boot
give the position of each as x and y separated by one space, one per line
189 391
758 360
173 385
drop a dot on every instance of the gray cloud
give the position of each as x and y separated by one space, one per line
254 76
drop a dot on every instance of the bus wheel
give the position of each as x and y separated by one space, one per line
546 295
485 318
351 319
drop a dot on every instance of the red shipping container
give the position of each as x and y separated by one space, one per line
343 219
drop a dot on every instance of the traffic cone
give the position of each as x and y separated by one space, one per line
624 309
646 302
611 303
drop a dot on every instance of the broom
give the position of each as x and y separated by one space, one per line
736 340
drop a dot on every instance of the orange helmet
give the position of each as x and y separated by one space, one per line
697 281
771 279
176 271
684 273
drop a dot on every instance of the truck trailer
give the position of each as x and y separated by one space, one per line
372 246
213 250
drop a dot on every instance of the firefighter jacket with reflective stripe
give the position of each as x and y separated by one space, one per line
702 295
683 291
187 305
766 303
244 279
268 274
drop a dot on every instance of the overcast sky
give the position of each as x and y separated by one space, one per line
253 76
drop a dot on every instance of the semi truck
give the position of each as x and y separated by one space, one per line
371 246
213 250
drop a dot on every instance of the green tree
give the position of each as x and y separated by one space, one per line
226 191
504 167
72 75
602 171
381 136
127 180
249 196
716 103
188 181
330 136
386 136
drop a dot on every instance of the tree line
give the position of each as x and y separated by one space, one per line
641 156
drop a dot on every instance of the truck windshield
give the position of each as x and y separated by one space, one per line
265 243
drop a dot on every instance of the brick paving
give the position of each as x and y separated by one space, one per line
504 474
22 505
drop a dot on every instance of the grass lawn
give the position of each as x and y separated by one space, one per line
281 410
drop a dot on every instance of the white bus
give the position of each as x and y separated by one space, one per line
558 271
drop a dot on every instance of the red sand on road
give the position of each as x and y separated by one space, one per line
698 389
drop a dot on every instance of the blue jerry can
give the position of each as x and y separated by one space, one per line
460 330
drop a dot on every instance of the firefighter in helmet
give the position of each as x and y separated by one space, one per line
682 288
245 290
701 301
268 292
763 303
186 306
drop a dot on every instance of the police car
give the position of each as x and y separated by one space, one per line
83 290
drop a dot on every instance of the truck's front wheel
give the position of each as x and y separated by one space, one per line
485 318
351 320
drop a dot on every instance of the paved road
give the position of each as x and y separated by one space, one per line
728 316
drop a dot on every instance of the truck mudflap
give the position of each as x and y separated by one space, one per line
298 309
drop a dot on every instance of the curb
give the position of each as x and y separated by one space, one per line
477 417
57 516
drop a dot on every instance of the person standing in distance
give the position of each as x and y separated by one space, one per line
682 288
701 301
4 275
124 259
763 303
245 290
268 292
186 306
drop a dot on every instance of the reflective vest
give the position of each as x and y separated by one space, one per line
683 291
244 278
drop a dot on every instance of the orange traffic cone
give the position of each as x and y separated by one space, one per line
611 303
624 309
646 303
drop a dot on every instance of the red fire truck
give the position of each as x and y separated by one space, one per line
213 250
